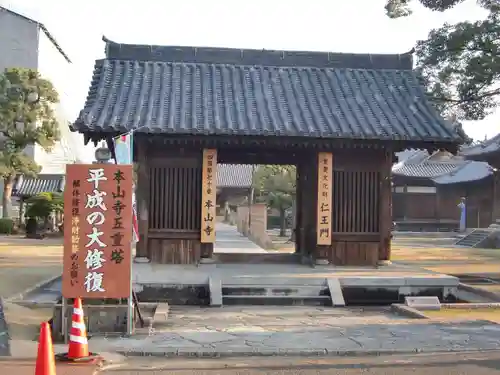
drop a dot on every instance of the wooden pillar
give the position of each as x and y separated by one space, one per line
306 214
496 197
385 213
143 180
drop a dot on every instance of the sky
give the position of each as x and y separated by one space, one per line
357 26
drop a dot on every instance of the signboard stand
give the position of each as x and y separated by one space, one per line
64 323
98 213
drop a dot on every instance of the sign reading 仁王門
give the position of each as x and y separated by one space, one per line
98 231
324 209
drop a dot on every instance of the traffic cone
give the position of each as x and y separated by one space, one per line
45 363
78 343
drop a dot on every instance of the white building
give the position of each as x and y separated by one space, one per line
26 43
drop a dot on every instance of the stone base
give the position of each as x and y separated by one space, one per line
141 260
207 261
382 263
321 262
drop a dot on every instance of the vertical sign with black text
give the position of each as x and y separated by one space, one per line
208 195
324 209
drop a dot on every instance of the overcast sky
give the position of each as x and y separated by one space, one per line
317 25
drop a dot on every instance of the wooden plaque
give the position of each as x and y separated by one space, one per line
208 195
324 208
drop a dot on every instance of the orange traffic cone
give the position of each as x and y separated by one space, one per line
45 363
78 344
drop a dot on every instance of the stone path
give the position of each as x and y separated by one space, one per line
236 331
228 240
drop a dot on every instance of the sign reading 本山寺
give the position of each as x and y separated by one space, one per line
98 214
208 195
324 209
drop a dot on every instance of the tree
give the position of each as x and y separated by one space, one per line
26 118
276 185
41 207
459 64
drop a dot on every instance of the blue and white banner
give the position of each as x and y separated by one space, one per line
124 155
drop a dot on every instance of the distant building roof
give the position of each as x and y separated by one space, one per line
442 168
234 175
43 28
489 146
223 91
43 183
469 171
424 170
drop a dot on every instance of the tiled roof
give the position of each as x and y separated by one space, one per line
43 183
412 155
469 171
425 169
234 175
487 147
214 91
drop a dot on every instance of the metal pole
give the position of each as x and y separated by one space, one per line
64 323
130 310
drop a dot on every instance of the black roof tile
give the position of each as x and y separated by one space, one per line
43 183
234 175
212 91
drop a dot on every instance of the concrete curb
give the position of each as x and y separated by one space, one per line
408 311
480 292
294 353
21 295
465 306
4 333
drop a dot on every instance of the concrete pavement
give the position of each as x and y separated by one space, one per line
294 330
228 240
420 364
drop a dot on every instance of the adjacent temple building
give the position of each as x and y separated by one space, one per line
427 188
340 118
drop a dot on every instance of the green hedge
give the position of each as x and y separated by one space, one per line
6 226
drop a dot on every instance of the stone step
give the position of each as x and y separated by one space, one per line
291 300
275 290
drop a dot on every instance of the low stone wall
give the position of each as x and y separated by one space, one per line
257 232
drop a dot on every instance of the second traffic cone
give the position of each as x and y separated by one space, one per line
78 343
45 363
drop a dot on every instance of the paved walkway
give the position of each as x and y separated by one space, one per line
228 240
25 367
268 331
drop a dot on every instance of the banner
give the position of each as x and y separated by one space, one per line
98 231
124 155
208 195
324 209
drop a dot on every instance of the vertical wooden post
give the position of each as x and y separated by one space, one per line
143 188
385 210
208 196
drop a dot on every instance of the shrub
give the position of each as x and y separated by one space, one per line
6 226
